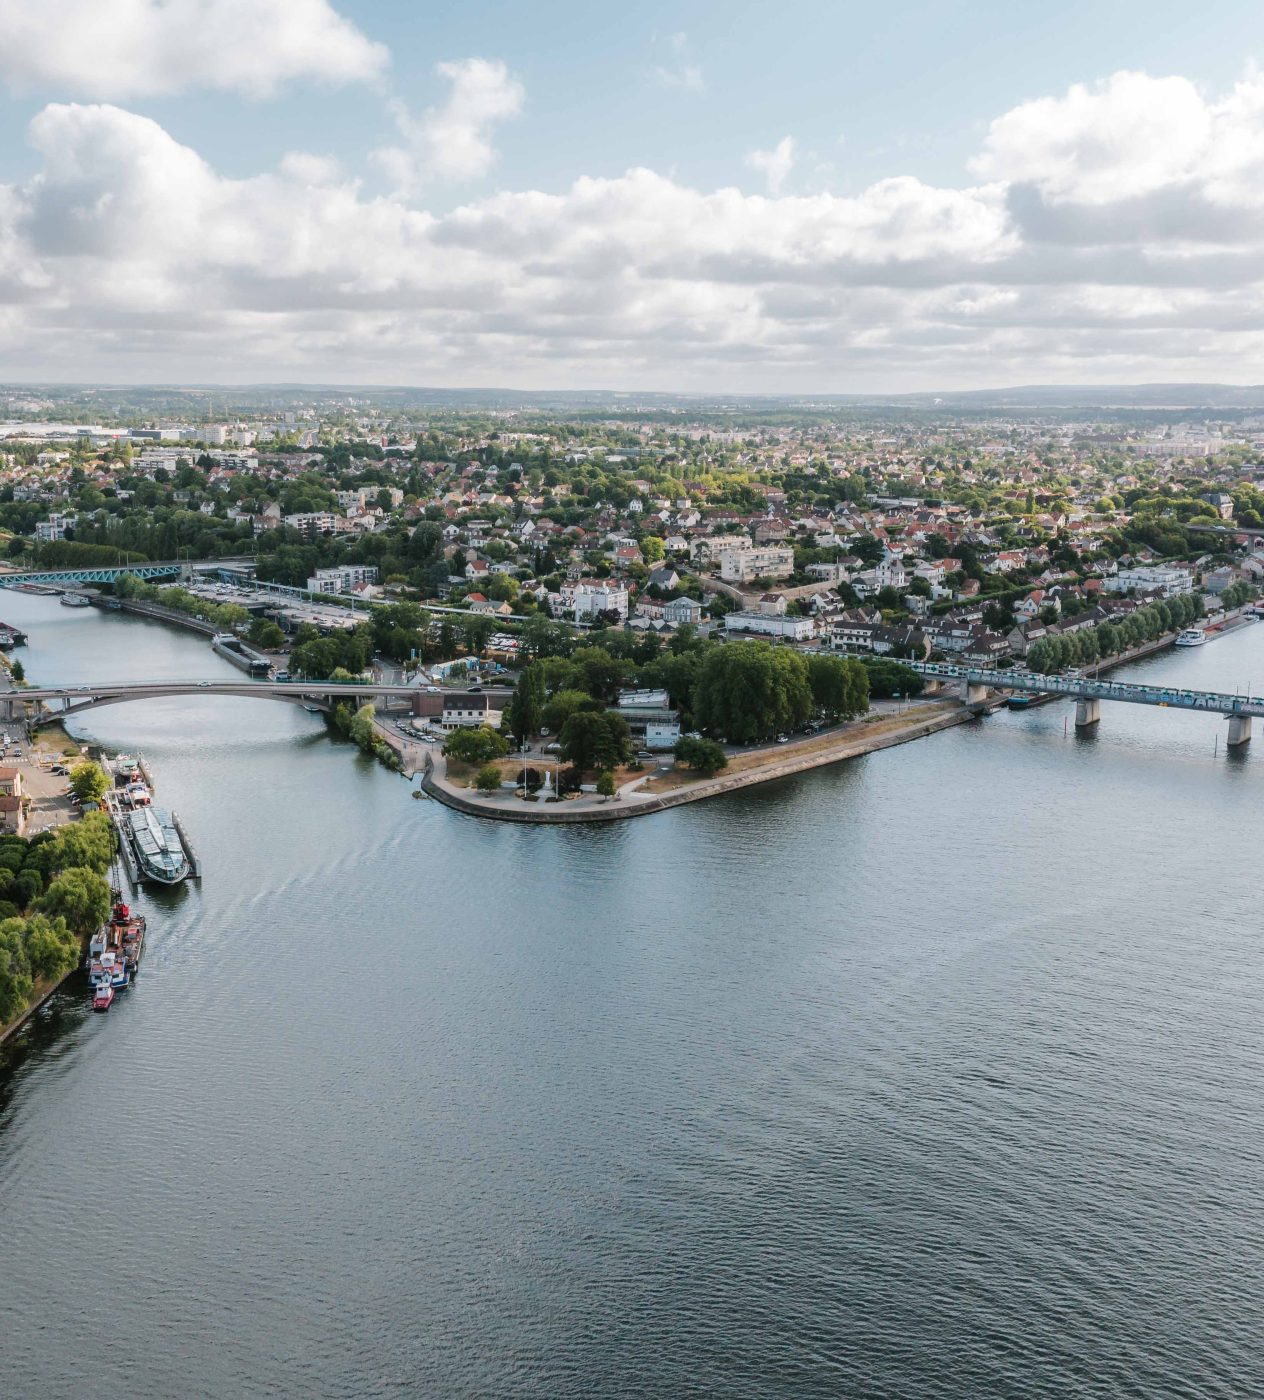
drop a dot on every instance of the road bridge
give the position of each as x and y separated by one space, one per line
58 702
1088 693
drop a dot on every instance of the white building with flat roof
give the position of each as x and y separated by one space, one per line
769 624
1152 578
342 578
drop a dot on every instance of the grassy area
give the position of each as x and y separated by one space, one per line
841 739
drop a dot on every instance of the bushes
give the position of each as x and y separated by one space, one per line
702 755
488 779
479 745
359 727
888 678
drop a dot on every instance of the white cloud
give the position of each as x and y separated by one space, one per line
126 251
680 71
131 48
774 165
454 141
1128 136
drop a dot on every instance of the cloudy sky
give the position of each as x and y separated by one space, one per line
783 197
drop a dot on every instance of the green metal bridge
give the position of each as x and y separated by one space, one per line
72 578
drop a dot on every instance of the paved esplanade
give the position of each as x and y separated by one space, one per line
977 680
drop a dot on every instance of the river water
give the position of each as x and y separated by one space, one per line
936 1074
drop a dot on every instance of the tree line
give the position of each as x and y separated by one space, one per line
52 895
1052 654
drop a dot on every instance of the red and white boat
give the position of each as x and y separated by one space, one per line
103 997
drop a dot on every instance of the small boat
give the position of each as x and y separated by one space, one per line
1191 637
138 794
103 997
75 600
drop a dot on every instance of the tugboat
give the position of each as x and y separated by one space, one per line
115 950
128 930
108 971
103 997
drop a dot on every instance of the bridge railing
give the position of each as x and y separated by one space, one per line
1090 688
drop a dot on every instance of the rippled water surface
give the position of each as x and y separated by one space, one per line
936 1074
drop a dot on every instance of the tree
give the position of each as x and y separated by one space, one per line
52 949
749 690
476 632
703 755
542 637
479 745
563 705
488 779
266 634
89 782
840 686
887 678
526 704
591 739
80 897
652 549
605 783
601 674
16 982
17 671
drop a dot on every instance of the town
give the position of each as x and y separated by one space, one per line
986 539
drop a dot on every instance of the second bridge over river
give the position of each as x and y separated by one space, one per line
56 702
976 682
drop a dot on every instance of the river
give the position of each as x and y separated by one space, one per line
935 1074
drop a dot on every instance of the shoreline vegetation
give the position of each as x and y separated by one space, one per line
853 740
644 796
53 895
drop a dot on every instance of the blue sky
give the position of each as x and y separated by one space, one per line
334 189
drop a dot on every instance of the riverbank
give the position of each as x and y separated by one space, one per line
45 990
851 741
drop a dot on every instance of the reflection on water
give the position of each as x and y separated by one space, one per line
935 1074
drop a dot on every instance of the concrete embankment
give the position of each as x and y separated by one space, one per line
849 746
161 614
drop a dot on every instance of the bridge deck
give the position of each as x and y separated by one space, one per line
1087 688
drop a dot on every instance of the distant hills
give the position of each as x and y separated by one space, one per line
1060 400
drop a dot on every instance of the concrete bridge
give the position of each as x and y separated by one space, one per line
977 681
57 702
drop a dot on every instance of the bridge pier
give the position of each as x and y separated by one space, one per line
976 693
1239 730
1088 710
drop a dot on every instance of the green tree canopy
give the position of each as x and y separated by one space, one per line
80 897
747 691
89 781
479 745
